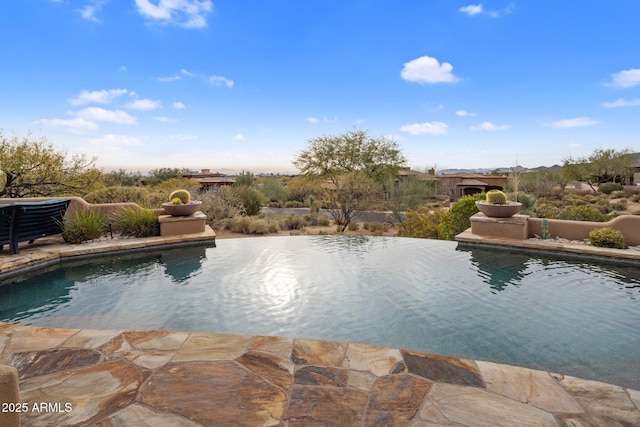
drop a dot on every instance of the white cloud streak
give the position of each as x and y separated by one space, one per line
432 128
573 123
463 113
168 78
220 80
178 106
97 97
622 103
490 127
239 137
471 9
102 115
77 124
184 13
144 104
312 120
626 78
111 140
426 69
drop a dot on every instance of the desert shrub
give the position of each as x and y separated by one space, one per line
83 225
120 194
273 191
376 226
547 211
353 226
221 205
613 214
251 225
167 186
619 205
274 205
294 204
457 219
293 222
582 213
607 238
251 199
323 221
527 200
635 198
137 222
423 222
610 187
618 194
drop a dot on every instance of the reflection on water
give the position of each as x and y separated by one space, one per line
573 317
183 263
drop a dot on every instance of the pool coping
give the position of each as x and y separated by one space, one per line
198 379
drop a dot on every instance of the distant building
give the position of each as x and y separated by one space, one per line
459 185
208 179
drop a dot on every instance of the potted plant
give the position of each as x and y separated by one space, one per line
180 204
497 205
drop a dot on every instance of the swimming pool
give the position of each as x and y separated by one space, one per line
572 317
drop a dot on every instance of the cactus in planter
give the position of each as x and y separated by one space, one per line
176 201
496 197
182 195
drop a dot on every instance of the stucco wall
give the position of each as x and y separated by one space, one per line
628 225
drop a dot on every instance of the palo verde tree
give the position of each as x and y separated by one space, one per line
35 168
350 161
603 165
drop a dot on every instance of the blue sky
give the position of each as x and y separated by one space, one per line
243 84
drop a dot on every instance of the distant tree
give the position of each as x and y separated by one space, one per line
273 190
355 164
542 182
35 168
355 194
603 165
408 194
331 156
245 179
301 187
156 176
122 177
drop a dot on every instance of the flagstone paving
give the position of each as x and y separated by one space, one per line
109 378
165 378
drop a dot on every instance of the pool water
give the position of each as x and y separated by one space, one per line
573 317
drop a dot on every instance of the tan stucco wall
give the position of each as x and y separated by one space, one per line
628 225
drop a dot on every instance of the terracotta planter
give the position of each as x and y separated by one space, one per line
499 211
185 209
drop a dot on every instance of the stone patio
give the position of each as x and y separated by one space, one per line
170 378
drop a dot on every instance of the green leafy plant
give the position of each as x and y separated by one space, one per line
610 187
457 219
607 237
424 223
83 225
183 195
137 222
582 213
251 199
496 197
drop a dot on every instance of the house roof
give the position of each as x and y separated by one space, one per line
466 182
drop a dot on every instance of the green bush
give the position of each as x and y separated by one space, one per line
458 218
251 199
376 226
83 225
547 211
219 205
294 204
582 213
610 187
293 222
353 226
424 223
607 238
323 221
618 194
120 194
527 200
137 222
619 205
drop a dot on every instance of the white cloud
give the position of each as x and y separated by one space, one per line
89 11
312 120
100 114
219 80
573 123
622 103
164 119
463 113
168 78
428 70
97 97
77 124
239 137
186 72
122 68
488 126
330 120
433 128
626 78
185 13
178 106
144 104
111 140
471 9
